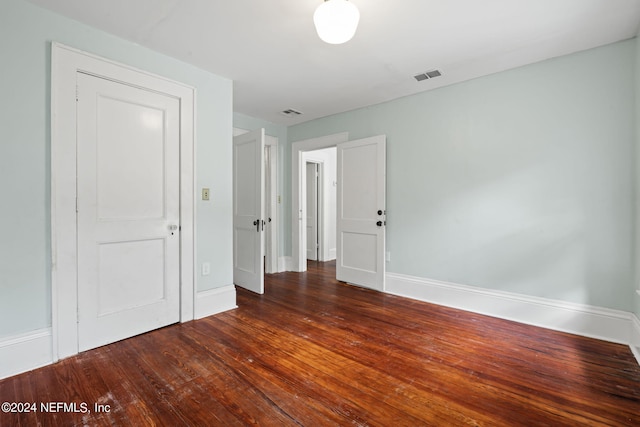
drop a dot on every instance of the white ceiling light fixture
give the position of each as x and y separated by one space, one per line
336 21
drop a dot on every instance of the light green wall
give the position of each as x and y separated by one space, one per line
520 181
242 121
26 33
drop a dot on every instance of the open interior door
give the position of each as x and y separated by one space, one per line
248 208
361 212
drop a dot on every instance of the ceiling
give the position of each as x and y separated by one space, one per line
272 53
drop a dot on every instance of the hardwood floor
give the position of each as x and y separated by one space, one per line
315 352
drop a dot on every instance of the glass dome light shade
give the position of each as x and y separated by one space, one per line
336 21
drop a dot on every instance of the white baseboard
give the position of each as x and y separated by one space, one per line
332 254
285 263
635 337
595 322
24 352
215 301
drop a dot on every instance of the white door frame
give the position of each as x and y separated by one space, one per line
66 62
298 183
271 236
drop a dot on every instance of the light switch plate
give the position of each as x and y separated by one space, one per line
206 268
205 194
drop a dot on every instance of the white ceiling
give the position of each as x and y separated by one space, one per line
270 50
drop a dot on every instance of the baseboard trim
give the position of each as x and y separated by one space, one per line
595 322
215 301
25 352
635 337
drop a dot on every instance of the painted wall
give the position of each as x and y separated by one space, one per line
26 32
242 121
521 181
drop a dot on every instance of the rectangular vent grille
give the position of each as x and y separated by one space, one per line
427 75
290 112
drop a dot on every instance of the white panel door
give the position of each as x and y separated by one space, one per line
312 211
128 211
248 210
361 212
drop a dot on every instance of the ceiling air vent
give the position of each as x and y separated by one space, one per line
290 112
427 75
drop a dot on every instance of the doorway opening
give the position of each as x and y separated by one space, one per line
313 205
360 207
319 203
300 152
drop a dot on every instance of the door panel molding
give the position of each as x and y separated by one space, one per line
66 62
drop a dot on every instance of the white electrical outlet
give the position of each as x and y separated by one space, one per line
206 268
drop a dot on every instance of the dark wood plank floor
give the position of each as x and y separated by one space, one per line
314 352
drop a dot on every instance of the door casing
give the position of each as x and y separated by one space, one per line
66 62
